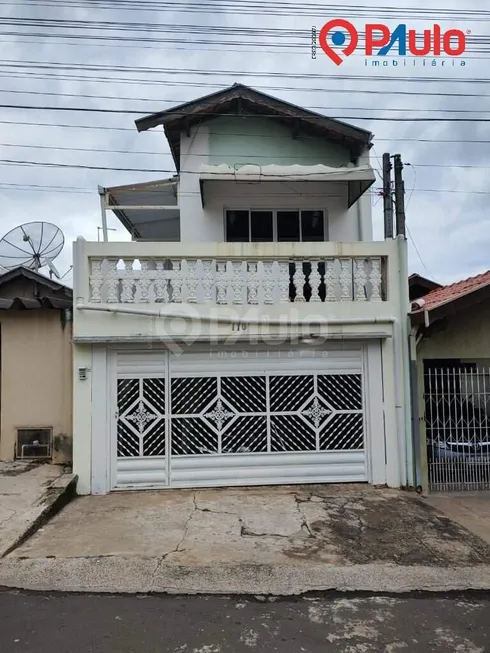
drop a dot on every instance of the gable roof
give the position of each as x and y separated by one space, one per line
32 275
46 294
449 298
243 100
456 290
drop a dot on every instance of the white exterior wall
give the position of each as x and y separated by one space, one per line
206 224
364 321
375 325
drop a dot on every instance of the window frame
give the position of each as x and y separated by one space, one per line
274 212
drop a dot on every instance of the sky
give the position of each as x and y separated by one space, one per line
147 55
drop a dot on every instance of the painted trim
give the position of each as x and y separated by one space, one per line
115 340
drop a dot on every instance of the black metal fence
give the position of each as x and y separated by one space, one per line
457 414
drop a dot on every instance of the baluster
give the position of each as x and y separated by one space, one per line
221 282
346 279
299 281
208 281
161 284
144 282
176 281
330 280
127 294
315 280
375 279
191 282
253 283
112 281
96 281
268 283
284 282
237 282
360 280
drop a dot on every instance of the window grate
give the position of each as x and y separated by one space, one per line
34 443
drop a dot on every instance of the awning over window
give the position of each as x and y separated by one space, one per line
358 178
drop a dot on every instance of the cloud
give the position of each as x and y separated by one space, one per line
450 230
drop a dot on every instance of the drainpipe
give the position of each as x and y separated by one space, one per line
228 319
405 358
360 225
103 212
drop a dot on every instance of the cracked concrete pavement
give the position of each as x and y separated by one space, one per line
23 496
281 540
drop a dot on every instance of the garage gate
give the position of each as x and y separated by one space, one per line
220 418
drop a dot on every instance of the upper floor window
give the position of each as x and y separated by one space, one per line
261 226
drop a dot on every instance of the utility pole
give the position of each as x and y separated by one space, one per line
399 196
387 199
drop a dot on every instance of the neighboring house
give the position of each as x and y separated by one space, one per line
451 325
36 367
419 286
252 333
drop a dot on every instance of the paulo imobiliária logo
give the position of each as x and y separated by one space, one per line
339 38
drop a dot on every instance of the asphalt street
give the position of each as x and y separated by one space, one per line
56 623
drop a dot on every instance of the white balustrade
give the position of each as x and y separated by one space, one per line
236 281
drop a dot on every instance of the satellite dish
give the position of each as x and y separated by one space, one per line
33 245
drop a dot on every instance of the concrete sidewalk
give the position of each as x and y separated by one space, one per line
470 509
280 541
28 492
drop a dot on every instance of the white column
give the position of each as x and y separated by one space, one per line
82 410
101 423
376 444
392 421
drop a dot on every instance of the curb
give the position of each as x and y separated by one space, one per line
57 494
147 575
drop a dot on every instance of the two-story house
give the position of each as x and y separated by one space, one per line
251 332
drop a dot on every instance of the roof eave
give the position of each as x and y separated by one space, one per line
172 119
22 271
452 306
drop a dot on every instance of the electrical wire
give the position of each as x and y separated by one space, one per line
10 64
217 87
182 101
266 8
196 154
131 129
26 107
10 162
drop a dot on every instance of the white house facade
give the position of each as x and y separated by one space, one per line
252 332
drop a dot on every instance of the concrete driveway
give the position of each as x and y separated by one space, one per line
281 540
347 524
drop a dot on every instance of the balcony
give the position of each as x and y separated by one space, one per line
265 280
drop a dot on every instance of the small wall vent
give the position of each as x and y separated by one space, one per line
34 444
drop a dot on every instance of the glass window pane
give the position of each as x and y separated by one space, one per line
288 226
261 226
237 227
312 229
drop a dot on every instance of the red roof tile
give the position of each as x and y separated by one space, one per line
454 291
